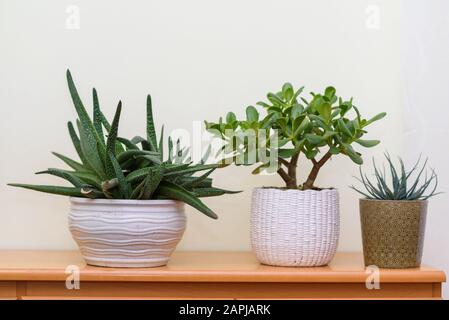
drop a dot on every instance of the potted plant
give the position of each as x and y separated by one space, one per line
296 225
393 214
127 200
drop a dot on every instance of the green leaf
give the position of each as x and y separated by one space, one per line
161 144
87 177
375 118
75 181
190 170
344 128
71 163
260 168
314 139
76 142
196 181
330 92
123 184
97 115
91 133
355 157
152 182
325 111
230 117
251 114
367 143
211 192
128 144
111 143
172 191
286 153
299 125
287 91
63 191
91 152
334 150
121 158
151 132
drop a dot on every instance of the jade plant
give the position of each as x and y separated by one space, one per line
112 167
402 184
319 129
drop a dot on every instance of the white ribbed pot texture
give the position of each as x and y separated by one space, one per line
126 233
295 228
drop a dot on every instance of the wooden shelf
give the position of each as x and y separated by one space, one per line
207 275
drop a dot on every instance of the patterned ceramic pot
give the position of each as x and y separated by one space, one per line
126 233
393 232
293 227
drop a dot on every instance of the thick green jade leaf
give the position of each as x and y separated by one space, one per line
375 118
172 191
368 143
251 114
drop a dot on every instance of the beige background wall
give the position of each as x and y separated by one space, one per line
199 59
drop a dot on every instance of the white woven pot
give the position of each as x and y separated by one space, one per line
126 233
293 227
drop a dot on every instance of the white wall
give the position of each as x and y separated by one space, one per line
199 59
426 79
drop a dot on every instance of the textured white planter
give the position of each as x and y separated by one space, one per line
126 233
293 227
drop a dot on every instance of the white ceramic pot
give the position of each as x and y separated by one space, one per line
294 227
126 233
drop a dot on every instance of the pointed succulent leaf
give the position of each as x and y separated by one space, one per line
173 191
71 163
151 132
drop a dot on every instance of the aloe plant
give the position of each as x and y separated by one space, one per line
114 167
401 185
319 129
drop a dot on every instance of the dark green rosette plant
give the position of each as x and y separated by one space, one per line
112 167
320 128
399 183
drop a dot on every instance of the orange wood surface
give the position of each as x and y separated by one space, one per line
208 275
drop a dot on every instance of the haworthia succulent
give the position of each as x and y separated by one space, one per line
116 168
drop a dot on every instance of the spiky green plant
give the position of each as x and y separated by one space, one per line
402 185
113 167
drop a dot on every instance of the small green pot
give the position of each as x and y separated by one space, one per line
393 232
